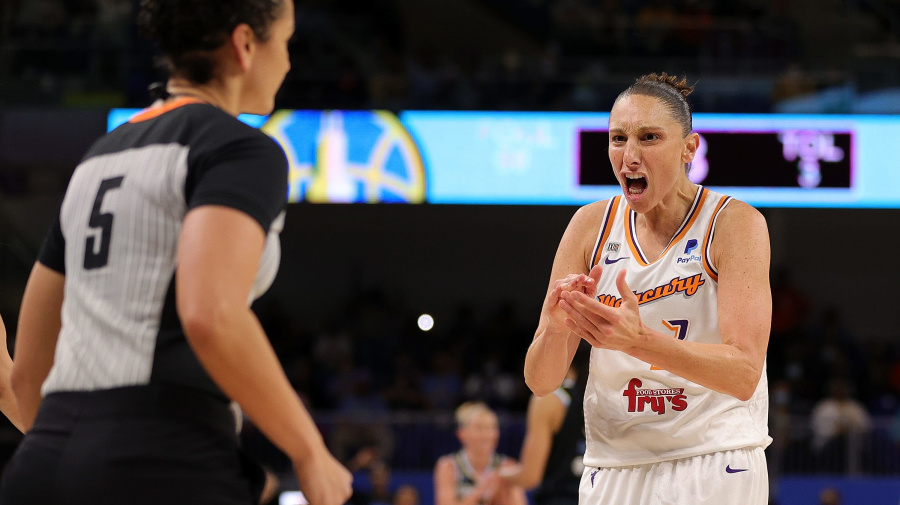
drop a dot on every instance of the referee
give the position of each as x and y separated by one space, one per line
135 329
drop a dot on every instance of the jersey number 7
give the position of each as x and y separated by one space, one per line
680 327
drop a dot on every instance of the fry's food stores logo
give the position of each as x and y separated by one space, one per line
656 399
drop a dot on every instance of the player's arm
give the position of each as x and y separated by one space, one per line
36 334
445 485
543 419
554 344
509 494
740 252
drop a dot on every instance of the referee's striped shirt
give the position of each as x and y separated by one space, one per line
116 238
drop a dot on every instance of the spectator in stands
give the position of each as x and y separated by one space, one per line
695 23
838 353
112 42
362 420
406 494
378 492
794 81
790 306
830 496
443 385
495 386
788 351
655 22
405 390
836 421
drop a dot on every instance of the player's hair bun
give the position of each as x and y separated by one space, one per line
681 86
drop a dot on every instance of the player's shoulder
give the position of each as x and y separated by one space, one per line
445 464
589 215
740 228
447 458
739 215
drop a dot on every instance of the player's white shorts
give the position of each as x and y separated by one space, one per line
738 477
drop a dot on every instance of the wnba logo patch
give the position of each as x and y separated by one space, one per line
613 247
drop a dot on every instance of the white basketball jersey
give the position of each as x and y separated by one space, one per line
634 412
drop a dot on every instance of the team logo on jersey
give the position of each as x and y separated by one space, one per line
657 399
688 286
613 247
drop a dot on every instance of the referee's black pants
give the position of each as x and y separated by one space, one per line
136 445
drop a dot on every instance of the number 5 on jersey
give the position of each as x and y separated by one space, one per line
680 327
94 256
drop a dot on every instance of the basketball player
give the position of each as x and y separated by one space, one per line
8 404
553 450
669 284
470 476
135 323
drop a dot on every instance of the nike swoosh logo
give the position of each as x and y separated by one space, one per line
735 470
610 262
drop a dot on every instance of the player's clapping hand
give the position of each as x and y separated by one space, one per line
572 283
323 480
488 486
619 328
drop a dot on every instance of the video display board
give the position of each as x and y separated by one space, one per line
450 157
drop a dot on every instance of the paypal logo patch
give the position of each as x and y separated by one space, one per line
689 259
691 245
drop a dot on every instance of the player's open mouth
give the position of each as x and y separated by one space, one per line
635 183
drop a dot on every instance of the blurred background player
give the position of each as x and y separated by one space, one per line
552 457
470 476
136 360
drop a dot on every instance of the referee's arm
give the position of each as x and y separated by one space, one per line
8 404
218 256
38 329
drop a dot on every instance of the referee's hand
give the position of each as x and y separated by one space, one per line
323 480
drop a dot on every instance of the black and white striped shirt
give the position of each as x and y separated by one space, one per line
117 233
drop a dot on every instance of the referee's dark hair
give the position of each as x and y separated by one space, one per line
188 31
